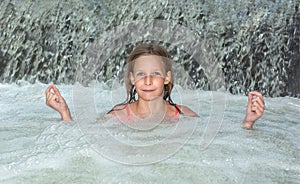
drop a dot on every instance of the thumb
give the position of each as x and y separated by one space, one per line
250 97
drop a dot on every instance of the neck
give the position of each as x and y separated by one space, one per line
150 107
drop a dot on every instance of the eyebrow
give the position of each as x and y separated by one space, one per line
156 68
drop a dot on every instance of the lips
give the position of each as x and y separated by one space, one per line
148 90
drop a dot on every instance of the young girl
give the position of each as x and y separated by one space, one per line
149 75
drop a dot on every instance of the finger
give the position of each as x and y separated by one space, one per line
257 111
54 99
56 91
48 90
259 102
48 95
250 101
257 94
259 97
250 97
50 98
257 108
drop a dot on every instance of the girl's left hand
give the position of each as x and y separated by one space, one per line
255 108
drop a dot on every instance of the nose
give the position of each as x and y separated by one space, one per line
148 80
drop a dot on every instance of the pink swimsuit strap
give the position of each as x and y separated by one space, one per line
177 111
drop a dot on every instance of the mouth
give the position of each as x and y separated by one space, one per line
148 90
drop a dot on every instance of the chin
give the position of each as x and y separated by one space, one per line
151 98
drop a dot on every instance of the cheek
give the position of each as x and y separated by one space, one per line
138 82
160 80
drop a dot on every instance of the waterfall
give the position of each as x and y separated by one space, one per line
255 44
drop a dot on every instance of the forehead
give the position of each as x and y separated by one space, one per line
148 62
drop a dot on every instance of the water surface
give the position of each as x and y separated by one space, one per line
37 148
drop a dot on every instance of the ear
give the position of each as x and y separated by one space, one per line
168 77
131 78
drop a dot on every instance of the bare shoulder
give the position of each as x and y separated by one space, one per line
118 109
187 111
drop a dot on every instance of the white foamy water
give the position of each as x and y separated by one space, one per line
36 147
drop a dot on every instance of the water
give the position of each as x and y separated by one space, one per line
256 43
37 148
234 46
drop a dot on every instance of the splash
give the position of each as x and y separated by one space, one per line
256 43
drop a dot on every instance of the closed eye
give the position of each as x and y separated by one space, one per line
157 73
140 74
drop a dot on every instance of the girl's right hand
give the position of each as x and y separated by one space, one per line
58 103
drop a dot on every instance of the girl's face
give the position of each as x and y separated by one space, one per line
149 77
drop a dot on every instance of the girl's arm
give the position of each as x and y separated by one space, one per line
187 111
255 109
58 103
